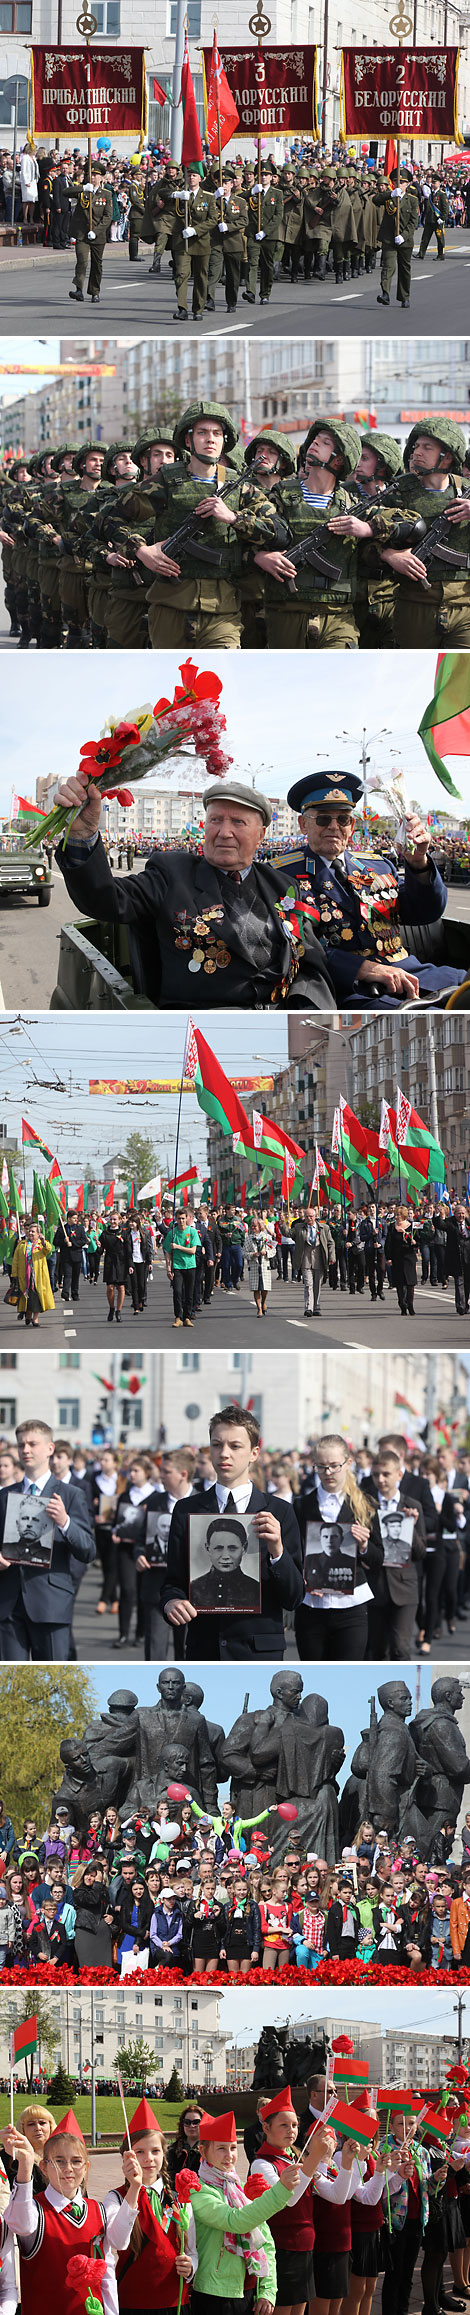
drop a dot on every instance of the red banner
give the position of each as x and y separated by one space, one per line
274 89
390 92
86 89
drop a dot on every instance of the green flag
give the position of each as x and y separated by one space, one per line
15 1200
445 725
39 1197
53 1209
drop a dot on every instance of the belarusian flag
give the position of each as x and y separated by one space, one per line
400 1401
412 1132
108 1199
80 1199
288 1175
189 1174
53 1209
15 1197
353 2122
27 811
24 2040
4 1208
214 1092
55 1173
353 1142
221 112
130 1197
39 1196
445 725
395 2101
339 1188
348 2069
191 154
32 1140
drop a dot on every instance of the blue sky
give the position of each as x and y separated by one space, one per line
275 731
348 1690
41 350
421 2012
79 1127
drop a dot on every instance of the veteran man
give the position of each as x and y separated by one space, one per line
365 901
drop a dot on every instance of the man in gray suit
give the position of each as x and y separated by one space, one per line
36 1604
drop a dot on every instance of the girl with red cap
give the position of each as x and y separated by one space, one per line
294 2228
66 2238
234 2241
149 2272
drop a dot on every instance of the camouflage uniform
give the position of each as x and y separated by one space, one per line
254 636
376 584
320 616
202 606
49 556
78 506
441 613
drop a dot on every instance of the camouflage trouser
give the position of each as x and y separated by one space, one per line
205 611
261 254
420 620
398 260
253 617
126 619
92 250
98 593
74 600
197 266
300 627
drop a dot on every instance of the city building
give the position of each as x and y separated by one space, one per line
292 1399
390 1050
181 2029
435 22
404 2060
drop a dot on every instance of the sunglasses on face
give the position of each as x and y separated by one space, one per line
327 819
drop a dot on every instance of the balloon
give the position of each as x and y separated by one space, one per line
134 162
286 1809
177 1792
103 144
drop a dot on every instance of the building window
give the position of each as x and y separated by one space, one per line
8 1359
68 1415
108 15
16 16
193 20
7 1414
69 1358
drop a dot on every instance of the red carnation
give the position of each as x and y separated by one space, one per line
344 2046
186 2183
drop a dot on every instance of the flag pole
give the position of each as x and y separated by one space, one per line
11 2081
178 1123
219 136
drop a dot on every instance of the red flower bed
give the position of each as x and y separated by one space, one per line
329 1973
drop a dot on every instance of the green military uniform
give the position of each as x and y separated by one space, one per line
125 592
161 211
204 604
265 217
78 503
194 220
316 222
436 217
292 206
49 555
39 512
11 515
376 584
254 636
441 612
343 230
94 533
393 259
228 244
101 219
140 225
320 615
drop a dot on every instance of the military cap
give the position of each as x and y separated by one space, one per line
325 788
234 792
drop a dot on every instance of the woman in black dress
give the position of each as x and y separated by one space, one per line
115 1266
400 1250
94 1920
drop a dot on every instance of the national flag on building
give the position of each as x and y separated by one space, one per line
222 118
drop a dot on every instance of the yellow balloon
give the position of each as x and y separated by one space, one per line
134 162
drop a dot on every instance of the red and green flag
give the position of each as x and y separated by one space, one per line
108 1199
14 1193
352 1142
4 1207
353 2122
27 811
213 1090
412 1133
55 1173
445 725
32 1140
53 1209
24 2040
130 1197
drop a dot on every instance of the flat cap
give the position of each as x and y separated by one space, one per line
234 792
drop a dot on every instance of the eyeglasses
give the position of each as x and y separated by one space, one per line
327 819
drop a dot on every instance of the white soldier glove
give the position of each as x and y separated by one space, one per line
219 193
87 188
256 188
399 239
260 236
396 192
222 228
91 236
189 233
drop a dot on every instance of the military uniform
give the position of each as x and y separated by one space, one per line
228 246
365 901
140 227
376 583
320 615
250 943
78 503
264 216
49 557
395 260
292 206
204 603
441 612
193 223
436 217
161 213
101 219
254 636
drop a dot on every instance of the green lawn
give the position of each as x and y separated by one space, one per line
108 2111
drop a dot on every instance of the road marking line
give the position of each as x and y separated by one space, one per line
348 300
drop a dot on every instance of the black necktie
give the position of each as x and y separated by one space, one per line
230 1503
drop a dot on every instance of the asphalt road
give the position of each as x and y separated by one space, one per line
29 942
36 288
234 1319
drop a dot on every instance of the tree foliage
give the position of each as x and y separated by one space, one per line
39 1706
135 2063
15 2008
138 1161
174 2088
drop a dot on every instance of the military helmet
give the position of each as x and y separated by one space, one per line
346 439
14 467
387 450
279 442
114 450
83 453
189 418
444 431
37 462
146 442
66 450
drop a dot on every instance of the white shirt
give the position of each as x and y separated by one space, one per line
240 1495
330 1508
331 2189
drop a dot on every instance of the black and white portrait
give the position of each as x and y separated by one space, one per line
28 1533
397 1537
330 1557
156 1537
224 1564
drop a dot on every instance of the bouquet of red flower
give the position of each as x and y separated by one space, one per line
144 739
81 2275
186 2182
